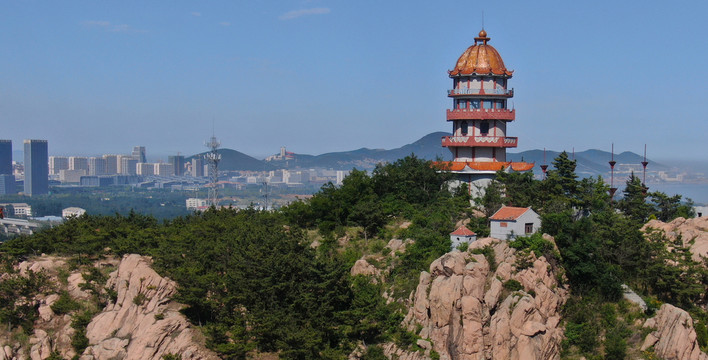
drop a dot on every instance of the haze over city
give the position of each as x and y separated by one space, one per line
321 76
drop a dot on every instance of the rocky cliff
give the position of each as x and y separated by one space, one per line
693 233
140 321
499 306
143 323
673 337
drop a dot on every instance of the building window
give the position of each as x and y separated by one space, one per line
461 104
475 104
464 128
488 104
528 228
484 127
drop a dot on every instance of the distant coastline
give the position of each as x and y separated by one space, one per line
698 192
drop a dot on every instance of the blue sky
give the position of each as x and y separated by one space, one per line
318 76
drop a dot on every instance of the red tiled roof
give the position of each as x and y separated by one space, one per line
509 213
463 231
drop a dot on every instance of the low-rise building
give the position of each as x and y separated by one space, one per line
22 209
462 235
72 211
195 203
701 211
71 176
510 222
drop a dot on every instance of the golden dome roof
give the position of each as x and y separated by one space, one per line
480 59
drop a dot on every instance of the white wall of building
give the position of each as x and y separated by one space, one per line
509 229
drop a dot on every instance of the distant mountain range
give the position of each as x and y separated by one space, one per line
589 162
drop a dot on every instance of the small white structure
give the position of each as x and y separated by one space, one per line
701 211
510 222
462 235
196 204
22 209
72 211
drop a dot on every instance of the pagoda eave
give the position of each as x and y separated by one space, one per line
480 141
481 114
480 167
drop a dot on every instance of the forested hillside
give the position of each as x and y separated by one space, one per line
279 282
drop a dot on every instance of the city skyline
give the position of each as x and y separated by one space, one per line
326 76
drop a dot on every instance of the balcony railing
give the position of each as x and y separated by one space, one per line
483 141
463 91
481 114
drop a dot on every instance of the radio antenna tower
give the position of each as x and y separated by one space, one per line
212 158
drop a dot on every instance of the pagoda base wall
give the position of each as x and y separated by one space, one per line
476 183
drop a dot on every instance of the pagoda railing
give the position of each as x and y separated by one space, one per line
465 91
481 114
481 141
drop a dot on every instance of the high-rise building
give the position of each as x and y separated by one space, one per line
178 164
7 184
5 156
111 164
479 116
96 166
145 169
128 165
78 163
139 154
197 167
36 167
58 163
164 169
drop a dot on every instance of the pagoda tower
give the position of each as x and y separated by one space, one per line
480 113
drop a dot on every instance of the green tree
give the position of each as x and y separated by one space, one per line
670 207
562 179
492 201
634 202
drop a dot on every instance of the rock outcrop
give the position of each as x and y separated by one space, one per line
674 337
467 313
143 323
693 233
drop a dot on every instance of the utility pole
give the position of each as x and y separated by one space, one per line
212 158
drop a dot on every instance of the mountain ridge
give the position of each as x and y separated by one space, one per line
590 162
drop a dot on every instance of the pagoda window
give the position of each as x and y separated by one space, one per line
487 104
500 104
464 128
462 104
484 127
474 104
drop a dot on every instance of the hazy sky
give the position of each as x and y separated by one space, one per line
318 76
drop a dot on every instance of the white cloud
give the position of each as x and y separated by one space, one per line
107 26
98 23
225 23
196 13
303 12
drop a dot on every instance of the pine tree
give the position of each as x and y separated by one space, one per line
634 203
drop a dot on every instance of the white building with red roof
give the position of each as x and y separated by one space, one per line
462 235
510 222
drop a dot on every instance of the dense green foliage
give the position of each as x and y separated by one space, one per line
162 204
16 295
